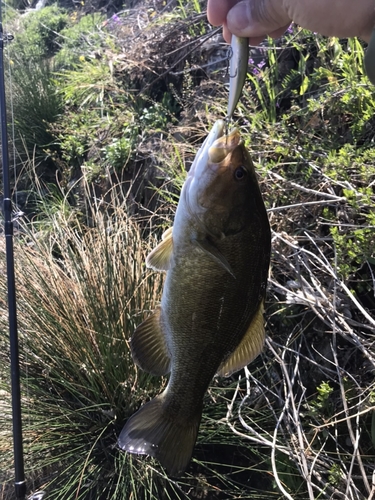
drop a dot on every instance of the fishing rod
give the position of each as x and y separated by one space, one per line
20 484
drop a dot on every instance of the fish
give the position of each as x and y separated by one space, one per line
210 319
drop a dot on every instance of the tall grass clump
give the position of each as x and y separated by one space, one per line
36 104
80 291
32 98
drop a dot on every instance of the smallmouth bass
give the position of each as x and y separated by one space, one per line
210 320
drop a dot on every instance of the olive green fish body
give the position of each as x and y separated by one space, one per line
206 311
210 318
204 332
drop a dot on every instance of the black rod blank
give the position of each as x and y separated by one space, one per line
20 484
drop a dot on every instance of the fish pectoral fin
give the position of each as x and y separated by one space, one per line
149 347
159 258
209 249
251 345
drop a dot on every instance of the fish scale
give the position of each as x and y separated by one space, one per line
211 315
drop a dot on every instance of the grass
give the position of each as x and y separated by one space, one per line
299 422
80 291
79 295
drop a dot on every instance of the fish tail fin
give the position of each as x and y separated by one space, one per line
151 431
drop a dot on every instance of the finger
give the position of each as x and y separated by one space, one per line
257 40
279 32
257 19
227 35
274 34
254 41
217 11
341 18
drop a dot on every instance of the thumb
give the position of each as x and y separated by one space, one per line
258 18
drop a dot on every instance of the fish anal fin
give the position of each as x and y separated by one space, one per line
251 345
214 253
160 257
153 431
148 346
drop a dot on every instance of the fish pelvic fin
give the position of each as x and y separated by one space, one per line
152 431
149 347
251 345
160 257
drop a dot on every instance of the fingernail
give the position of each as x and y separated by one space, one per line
239 18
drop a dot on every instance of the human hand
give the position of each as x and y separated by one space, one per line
256 19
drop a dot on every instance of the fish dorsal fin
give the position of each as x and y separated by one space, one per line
149 347
160 257
214 253
251 345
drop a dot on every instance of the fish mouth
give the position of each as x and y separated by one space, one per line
215 148
223 146
202 157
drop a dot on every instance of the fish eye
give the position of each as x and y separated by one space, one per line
240 173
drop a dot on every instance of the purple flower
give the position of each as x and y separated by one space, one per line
290 29
256 70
